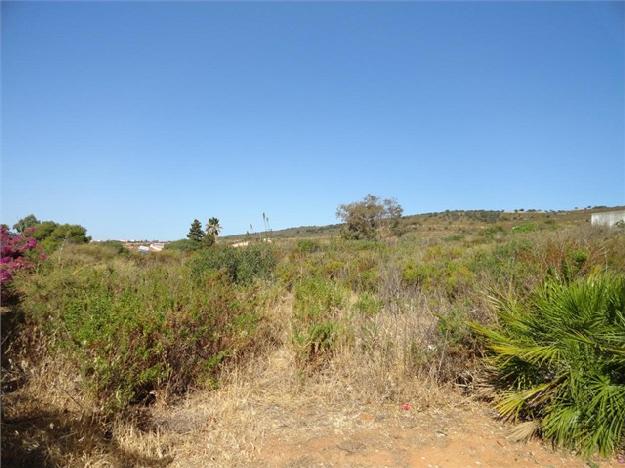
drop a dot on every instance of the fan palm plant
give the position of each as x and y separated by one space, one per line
213 228
559 361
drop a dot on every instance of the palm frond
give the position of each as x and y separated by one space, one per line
558 361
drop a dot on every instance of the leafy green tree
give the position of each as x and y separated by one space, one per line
213 229
195 232
73 233
25 223
53 235
370 217
44 230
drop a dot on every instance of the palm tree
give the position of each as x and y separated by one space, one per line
213 229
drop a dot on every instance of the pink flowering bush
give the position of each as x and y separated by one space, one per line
16 253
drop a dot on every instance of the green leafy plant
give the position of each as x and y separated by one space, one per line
413 274
308 246
316 328
131 331
559 360
525 227
368 304
241 265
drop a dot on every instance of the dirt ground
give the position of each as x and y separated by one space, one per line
276 426
264 418
377 437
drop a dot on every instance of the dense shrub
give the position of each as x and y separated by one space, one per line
185 245
16 253
240 264
133 330
413 274
454 238
52 235
92 254
559 360
614 252
368 304
492 232
114 246
308 246
448 276
525 227
524 263
316 324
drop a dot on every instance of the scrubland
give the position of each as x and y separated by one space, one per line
233 356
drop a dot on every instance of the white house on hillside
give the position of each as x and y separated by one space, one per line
607 218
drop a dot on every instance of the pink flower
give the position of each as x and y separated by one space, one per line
14 249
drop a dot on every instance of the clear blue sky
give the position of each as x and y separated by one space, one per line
134 118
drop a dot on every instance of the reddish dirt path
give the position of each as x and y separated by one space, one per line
314 435
264 418
454 438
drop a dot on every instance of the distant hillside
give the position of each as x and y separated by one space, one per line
439 220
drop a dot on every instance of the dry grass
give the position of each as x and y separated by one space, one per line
230 425
49 422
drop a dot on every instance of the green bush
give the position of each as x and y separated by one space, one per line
132 330
449 276
316 325
454 238
421 275
456 278
308 246
525 227
454 328
241 265
508 264
368 304
91 254
114 246
330 268
493 231
362 272
52 235
559 360
184 245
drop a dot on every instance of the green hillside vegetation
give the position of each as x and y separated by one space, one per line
438 222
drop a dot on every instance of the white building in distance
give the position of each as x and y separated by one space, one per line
607 218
